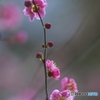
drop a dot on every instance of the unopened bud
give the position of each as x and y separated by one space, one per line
39 55
47 25
50 44
27 3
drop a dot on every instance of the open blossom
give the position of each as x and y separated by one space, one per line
69 84
64 95
32 9
53 71
10 16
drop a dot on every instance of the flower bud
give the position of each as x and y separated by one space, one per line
27 3
50 44
39 55
47 25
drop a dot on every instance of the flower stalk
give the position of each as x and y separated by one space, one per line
36 9
45 52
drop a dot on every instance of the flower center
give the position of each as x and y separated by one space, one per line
61 98
35 8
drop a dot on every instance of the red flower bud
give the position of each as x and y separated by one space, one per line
27 3
50 44
39 55
47 25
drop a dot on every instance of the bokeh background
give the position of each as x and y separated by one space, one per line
76 34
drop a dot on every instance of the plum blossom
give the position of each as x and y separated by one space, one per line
33 7
10 16
69 84
63 95
53 71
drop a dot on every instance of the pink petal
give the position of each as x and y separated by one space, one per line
41 3
69 84
49 64
32 16
41 12
55 95
64 81
65 93
27 11
56 73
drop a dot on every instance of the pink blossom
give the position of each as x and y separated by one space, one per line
69 84
53 71
50 64
21 37
31 10
64 95
10 16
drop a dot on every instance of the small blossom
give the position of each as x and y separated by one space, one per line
64 95
53 71
48 25
33 9
50 44
69 84
39 55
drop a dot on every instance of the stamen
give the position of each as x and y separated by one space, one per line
35 8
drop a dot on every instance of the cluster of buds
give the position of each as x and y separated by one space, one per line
53 71
50 44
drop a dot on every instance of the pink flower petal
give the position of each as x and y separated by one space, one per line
69 84
55 95
64 95
56 73
49 65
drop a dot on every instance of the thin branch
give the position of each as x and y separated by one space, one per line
45 51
